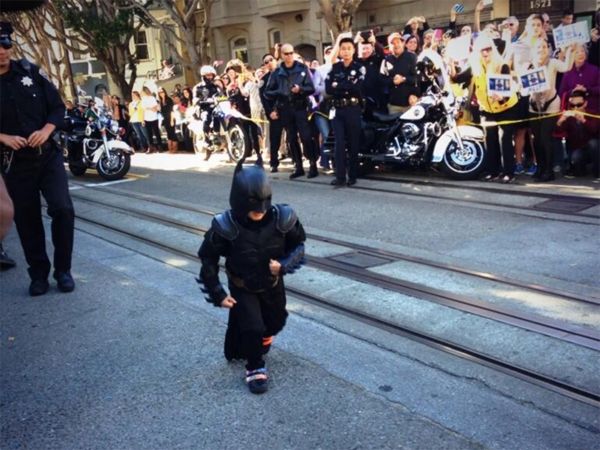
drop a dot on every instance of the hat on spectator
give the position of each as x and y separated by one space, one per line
393 36
406 37
428 32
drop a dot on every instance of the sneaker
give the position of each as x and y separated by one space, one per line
507 179
519 169
532 170
257 380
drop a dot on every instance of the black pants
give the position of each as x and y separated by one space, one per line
25 180
153 130
501 157
253 317
252 133
275 131
295 122
347 126
544 143
590 153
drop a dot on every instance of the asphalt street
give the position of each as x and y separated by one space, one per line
133 358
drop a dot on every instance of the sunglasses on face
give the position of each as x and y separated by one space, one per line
288 53
576 105
486 50
267 61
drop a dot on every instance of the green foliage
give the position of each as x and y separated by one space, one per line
107 29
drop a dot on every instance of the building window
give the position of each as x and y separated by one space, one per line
274 38
239 49
141 45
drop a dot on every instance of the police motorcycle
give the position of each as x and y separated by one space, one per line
427 134
95 142
225 131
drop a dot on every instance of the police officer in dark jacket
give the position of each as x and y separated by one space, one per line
370 55
261 244
275 127
30 110
289 87
344 83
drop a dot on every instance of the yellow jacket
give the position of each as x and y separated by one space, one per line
486 104
136 112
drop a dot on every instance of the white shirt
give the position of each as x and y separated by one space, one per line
149 103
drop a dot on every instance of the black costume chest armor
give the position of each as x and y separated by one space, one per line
251 252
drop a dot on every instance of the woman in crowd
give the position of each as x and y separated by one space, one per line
188 97
136 119
178 121
238 94
583 76
487 61
534 30
544 103
411 43
151 109
166 110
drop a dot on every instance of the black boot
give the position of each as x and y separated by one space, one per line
6 262
313 172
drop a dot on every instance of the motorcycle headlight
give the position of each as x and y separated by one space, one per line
88 130
418 112
114 126
410 131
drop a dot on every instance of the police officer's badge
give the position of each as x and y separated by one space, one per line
26 81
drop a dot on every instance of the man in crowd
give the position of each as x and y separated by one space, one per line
275 127
289 87
399 73
30 110
370 55
204 96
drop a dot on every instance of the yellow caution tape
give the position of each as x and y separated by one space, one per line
530 119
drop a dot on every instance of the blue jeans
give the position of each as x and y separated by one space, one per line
322 124
141 134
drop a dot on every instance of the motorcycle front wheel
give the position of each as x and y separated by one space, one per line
465 164
236 142
115 166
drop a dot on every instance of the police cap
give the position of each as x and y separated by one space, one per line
6 30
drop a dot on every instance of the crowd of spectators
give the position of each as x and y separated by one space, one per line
543 132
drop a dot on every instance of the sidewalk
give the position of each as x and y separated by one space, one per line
133 359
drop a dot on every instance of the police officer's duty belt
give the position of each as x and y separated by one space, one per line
343 102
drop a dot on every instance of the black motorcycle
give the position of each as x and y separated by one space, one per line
426 135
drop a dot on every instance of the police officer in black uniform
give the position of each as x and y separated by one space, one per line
289 87
261 243
344 83
30 110
204 97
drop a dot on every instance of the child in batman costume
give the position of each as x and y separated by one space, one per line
261 243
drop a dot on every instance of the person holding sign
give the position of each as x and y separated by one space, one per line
495 106
543 103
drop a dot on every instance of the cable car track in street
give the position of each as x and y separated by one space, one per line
531 322
533 377
362 248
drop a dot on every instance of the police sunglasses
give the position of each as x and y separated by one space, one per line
6 43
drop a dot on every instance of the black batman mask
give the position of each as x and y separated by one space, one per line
250 190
